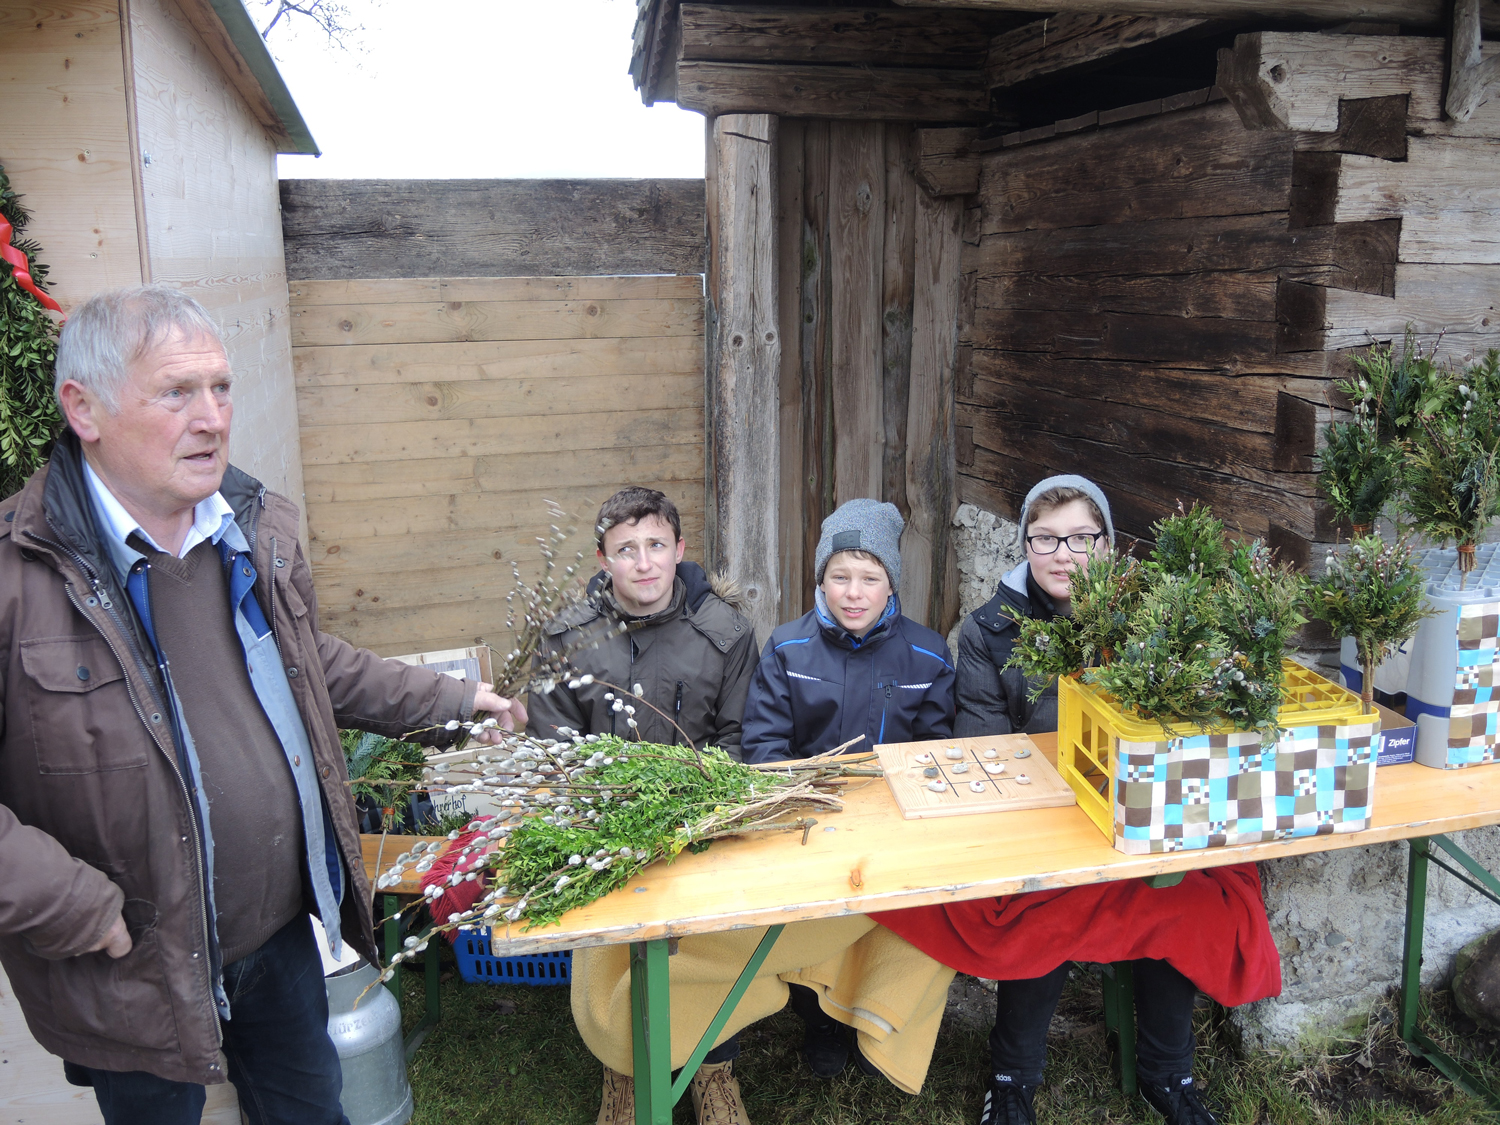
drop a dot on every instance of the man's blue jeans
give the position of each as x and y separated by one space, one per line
281 1061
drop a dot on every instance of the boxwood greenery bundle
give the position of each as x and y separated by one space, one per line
1194 634
578 818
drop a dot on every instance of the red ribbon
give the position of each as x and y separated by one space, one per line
21 268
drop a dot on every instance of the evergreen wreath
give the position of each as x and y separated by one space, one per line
29 418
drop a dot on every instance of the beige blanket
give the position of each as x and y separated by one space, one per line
889 991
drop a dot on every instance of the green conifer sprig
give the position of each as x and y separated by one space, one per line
1452 471
29 419
1372 592
1104 598
1357 471
1193 635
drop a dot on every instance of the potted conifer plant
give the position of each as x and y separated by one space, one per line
1372 592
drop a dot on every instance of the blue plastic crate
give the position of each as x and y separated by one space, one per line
477 965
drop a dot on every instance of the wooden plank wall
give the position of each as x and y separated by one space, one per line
491 228
213 220
64 141
869 273
438 416
1160 296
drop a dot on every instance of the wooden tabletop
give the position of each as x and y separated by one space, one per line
411 882
875 860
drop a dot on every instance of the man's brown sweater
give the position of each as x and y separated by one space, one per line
252 799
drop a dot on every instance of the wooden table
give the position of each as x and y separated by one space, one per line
874 860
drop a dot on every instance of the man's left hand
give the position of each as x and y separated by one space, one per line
510 714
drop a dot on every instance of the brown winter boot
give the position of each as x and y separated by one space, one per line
618 1104
716 1095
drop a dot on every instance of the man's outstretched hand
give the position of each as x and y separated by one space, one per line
510 714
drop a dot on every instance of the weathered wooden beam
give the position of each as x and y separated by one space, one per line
1198 162
1073 39
1445 196
1450 308
1408 13
928 568
856 250
1295 81
896 309
864 93
1472 78
862 36
795 418
745 361
1368 126
490 228
945 165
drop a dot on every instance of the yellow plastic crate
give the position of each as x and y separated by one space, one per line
1155 790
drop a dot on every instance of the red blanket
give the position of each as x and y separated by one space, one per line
457 899
1211 927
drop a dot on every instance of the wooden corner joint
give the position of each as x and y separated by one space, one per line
1472 79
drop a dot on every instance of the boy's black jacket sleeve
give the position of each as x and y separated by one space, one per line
557 708
739 669
983 697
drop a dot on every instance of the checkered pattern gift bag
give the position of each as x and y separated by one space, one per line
1210 790
1476 704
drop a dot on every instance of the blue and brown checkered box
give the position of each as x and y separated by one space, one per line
1154 791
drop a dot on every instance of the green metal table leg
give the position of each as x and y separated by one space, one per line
1119 1018
1416 921
393 943
391 933
434 1012
651 1028
1418 1041
726 1009
651 1034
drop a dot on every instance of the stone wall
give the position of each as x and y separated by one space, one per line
1338 916
986 546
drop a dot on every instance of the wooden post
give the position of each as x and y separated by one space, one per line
856 221
744 360
794 417
928 568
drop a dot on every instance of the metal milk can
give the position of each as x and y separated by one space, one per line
371 1052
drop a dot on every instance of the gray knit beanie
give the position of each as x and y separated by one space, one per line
863 525
1069 480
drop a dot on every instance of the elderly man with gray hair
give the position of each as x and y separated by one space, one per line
173 797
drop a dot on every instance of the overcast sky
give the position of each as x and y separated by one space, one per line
462 88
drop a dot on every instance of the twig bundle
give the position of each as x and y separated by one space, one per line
580 817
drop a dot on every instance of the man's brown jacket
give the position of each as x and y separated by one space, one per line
95 818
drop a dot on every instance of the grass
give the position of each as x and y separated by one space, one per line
509 1055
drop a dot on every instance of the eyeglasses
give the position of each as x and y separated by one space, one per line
1081 543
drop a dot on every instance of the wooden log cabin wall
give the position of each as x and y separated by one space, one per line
1139 245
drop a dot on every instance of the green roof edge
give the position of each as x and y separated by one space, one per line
252 49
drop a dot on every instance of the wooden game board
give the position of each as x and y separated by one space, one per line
904 774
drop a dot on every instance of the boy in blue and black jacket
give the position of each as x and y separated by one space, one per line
853 665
